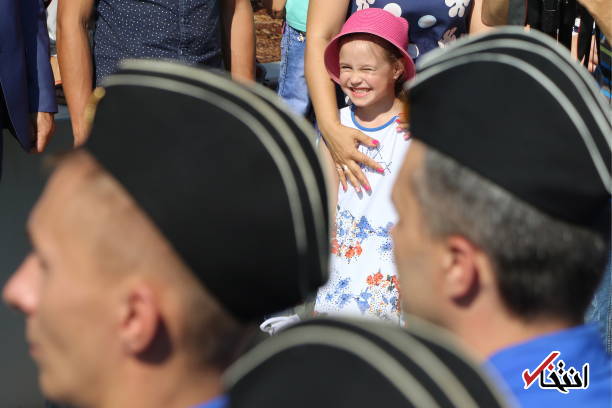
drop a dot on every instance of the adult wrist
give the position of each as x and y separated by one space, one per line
329 128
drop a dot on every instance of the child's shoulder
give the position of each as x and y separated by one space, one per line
346 110
345 115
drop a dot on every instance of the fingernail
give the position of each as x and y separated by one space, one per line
375 142
344 188
380 170
367 188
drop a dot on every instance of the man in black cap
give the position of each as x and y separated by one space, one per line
503 206
145 270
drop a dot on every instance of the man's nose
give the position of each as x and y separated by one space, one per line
21 290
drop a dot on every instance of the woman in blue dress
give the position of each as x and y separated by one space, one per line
432 24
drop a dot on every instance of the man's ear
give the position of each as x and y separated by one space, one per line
140 319
461 269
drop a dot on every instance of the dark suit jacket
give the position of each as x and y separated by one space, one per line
25 73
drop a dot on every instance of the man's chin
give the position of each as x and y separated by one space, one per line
50 388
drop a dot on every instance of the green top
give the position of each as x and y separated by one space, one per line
296 12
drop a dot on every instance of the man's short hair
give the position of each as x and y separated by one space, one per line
544 267
211 335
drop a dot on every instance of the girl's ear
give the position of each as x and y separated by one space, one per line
398 70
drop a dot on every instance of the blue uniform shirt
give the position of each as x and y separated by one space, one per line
518 368
219 402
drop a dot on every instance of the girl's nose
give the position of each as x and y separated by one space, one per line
355 79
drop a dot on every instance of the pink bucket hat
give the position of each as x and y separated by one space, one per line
377 22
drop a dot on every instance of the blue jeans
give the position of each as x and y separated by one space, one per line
292 82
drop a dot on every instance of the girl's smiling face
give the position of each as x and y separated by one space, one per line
367 73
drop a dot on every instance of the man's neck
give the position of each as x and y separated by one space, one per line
163 389
378 114
487 335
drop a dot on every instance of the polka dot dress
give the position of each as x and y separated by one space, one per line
433 23
184 30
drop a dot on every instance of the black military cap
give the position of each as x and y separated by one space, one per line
539 49
229 177
349 363
511 106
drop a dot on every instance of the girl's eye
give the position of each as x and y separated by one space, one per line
344 68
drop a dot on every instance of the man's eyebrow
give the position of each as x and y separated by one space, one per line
34 248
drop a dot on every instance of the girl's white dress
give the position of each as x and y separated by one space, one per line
363 279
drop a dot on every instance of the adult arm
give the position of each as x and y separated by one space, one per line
477 23
325 19
75 61
240 36
495 12
41 90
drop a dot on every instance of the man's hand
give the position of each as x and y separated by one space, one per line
43 127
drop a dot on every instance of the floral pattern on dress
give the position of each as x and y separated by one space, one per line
363 277
339 294
378 294
379 298
352 232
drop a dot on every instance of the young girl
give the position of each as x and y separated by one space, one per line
368 59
